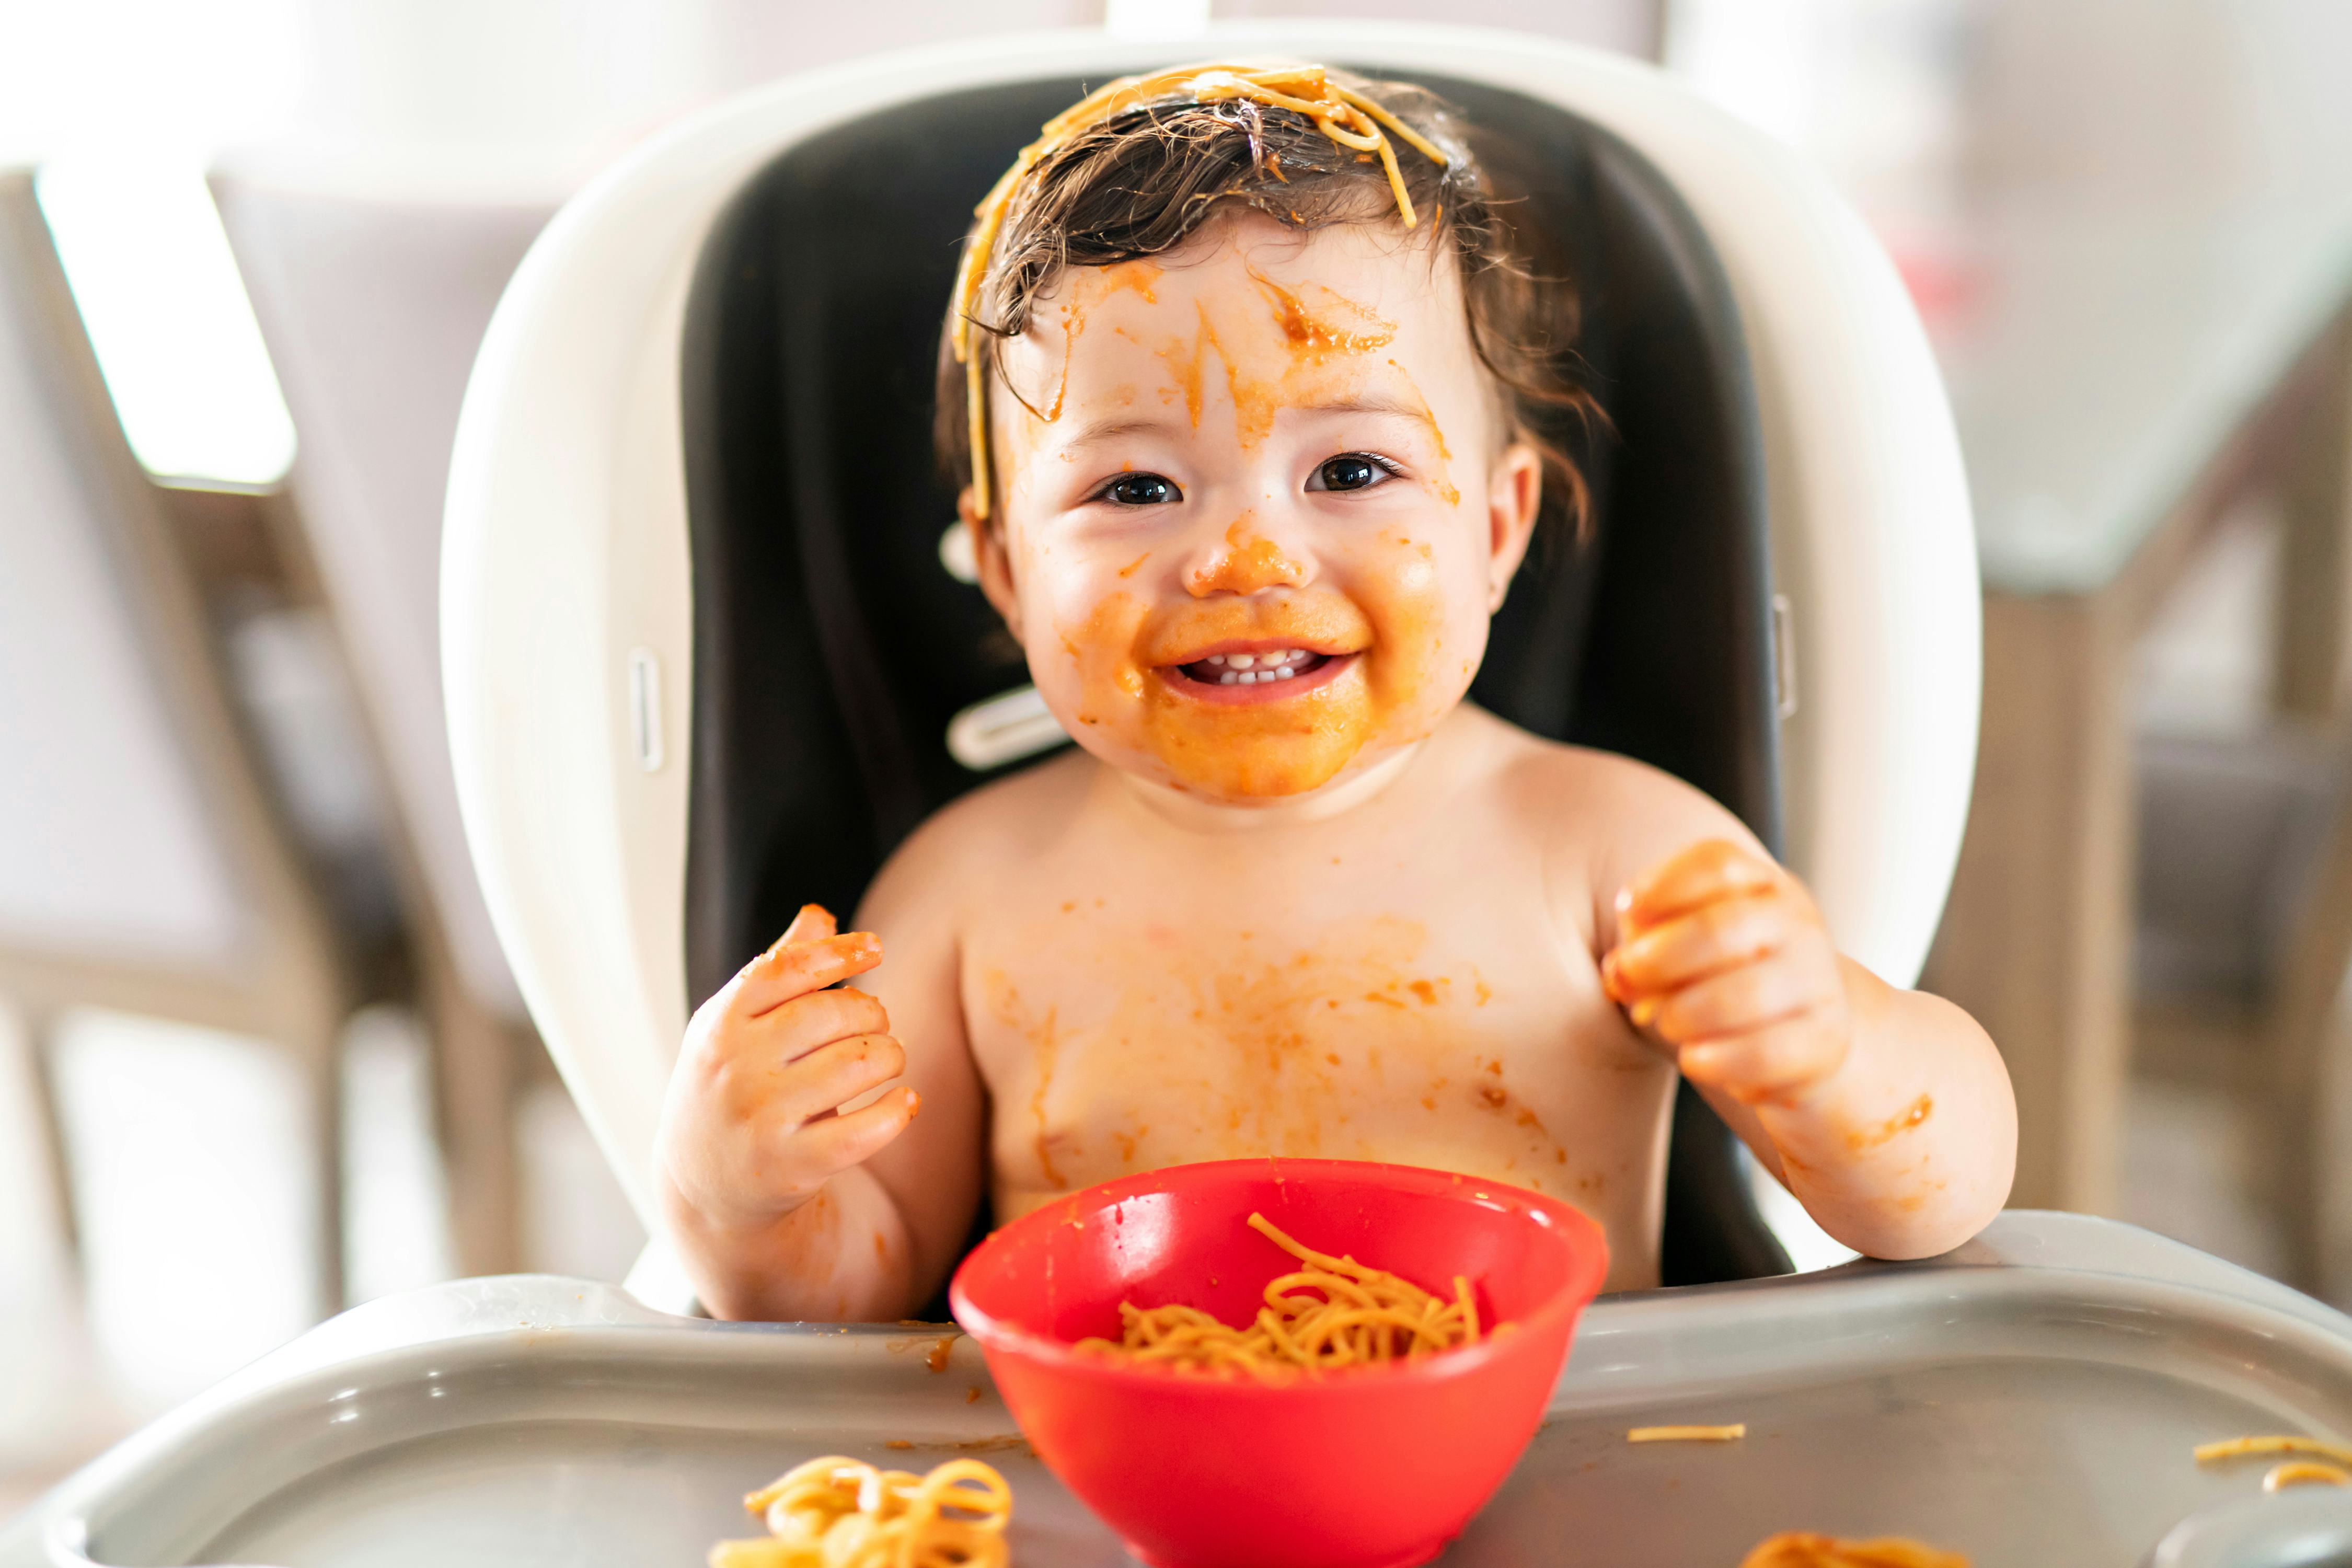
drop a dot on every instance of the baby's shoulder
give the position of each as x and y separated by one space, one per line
980 835
1544 775
1593 805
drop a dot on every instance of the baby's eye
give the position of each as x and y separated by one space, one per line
1352 472
1141 489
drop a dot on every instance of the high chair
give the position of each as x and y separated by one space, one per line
710 653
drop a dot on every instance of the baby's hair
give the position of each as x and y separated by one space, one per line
1143 181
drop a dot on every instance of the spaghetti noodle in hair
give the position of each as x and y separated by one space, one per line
835 1513
1136 169
1351 119
1332 1314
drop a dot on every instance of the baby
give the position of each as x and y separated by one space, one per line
1264 439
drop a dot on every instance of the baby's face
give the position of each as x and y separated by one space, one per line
1258 509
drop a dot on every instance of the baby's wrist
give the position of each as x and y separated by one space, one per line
1841 1117
747 1264
711 1221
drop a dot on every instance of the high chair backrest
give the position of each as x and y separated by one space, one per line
698 441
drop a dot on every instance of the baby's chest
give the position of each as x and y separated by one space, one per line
1118 1039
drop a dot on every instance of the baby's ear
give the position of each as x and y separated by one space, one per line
988 553
1514 496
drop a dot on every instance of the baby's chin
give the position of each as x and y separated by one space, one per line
1258 757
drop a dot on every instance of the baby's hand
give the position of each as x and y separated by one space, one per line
1721 959
752 1126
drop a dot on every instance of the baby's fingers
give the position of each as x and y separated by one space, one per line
837 1142
785 971
832 1075
1777 1060
1734 1002
1712 869
1708 939
813 923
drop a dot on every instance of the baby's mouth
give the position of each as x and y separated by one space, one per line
1254 668
1251 676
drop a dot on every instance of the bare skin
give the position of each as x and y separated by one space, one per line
1330 909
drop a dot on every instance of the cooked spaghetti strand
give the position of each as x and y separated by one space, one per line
1333 1313
2242 1448
2304 1473
1726 1434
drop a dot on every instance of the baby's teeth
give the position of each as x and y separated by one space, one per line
1251 669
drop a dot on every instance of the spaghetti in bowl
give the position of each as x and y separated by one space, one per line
1376 1462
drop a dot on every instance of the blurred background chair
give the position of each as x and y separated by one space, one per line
372 308
151 865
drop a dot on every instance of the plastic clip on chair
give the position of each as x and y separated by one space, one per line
663 663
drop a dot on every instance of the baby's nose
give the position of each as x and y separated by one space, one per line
1245 562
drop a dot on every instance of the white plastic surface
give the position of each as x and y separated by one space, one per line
565 545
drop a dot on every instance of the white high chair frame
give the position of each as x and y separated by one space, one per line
567 608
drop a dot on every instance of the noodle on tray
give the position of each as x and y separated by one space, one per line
835 1513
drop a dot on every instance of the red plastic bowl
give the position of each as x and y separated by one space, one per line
1373 1469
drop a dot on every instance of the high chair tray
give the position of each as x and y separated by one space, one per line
2029 1399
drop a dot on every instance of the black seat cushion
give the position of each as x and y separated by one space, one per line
830 648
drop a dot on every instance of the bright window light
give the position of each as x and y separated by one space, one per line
199 1214
1156 19
1754 58
151 270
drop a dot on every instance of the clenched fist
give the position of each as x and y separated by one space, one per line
1722 962
753 1125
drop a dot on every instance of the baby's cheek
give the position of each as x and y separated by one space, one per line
1087 667
1429 638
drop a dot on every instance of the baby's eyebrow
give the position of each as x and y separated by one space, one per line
1111 429
1370 402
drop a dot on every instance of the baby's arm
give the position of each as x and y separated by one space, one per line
1887 1112
784 1202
